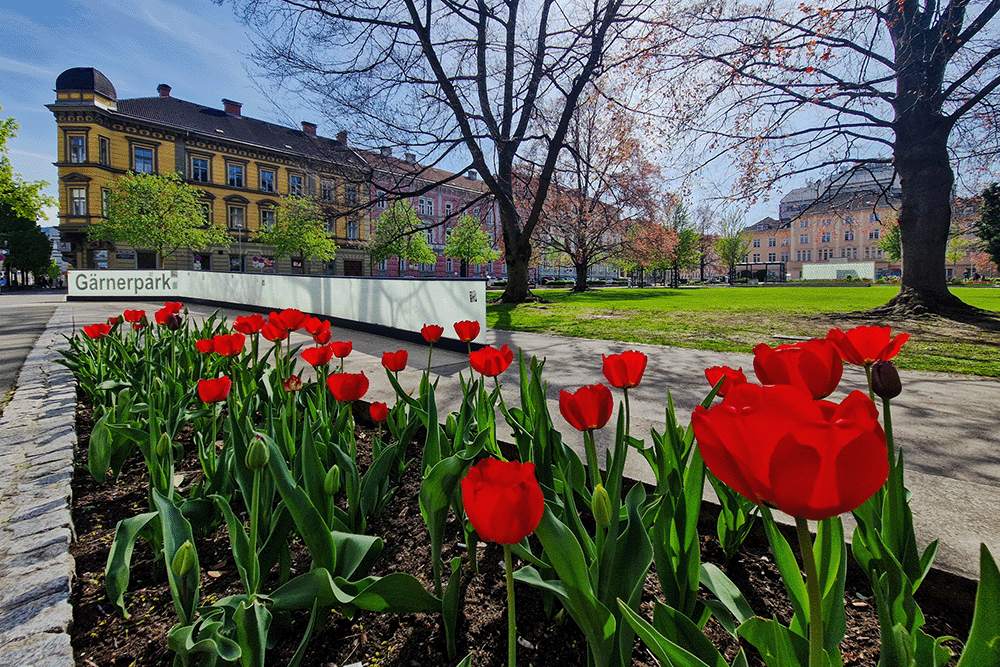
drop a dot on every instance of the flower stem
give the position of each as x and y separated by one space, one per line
868 374
508 562
890 445
815 596
592 465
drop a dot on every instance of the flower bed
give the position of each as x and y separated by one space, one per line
258 522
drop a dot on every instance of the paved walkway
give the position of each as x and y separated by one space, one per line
947 425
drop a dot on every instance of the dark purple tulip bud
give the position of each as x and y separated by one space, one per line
885 380
174 322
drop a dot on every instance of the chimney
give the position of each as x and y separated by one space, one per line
163 89
410 158
342 137
309 128
472 174
386 151
232 108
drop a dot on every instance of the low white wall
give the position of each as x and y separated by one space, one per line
838 271
399 303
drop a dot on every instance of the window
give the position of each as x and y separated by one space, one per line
352 229
295 185
825 237
77 148
142 160
78 201
206 209
237 217
105 201
855 253
784 257
868 253
266 180
848 219
326 191
804 223
772 242
425 206
784 241
803 239
447 209
352 194
380 199
798 255
199 169
874 234
848 236
873 217
809 255
771 257
235 175
266 218
104 150
826 222
450 265
756 243
756 257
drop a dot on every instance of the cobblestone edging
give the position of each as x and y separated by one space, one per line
37 440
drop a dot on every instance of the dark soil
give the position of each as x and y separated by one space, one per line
101 637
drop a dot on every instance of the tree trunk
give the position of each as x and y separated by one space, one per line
517 277
581 278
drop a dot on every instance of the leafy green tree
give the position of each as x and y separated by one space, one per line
159 212
399 232
988 227
19 197
889 241
685 253
299 229
28 248
732 244
470 244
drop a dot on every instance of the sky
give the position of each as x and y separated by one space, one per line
195 46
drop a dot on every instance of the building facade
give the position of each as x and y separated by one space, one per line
241 167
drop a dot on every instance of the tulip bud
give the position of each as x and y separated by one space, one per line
184 559
174 322
451 426
163 445
885 380
601 506
257 455
157 384
332 482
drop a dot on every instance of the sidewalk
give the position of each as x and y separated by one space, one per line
946 424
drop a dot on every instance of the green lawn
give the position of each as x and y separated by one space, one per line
737 318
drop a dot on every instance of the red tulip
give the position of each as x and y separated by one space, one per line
292 383
273 333
114 320
624 370
341 348
173 307
133 316
96 331
503 500
137 326
587 409
162 315
432 333
213 391
379 412
733 378
395 361
249 324
229 345
290 319
317 356
467 330
322 337
205 346
490 361
866 344
813 365
347 386
777 446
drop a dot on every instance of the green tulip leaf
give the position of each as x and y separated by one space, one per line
117 571
983 646
663 649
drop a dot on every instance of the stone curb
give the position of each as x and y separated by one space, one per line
37 441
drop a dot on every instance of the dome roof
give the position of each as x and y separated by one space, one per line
86 78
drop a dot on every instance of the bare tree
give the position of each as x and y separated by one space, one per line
790 88
602 182
458 78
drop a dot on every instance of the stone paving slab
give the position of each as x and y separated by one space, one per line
37 442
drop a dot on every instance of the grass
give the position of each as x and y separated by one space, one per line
736 319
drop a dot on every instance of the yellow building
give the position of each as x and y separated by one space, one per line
242 167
